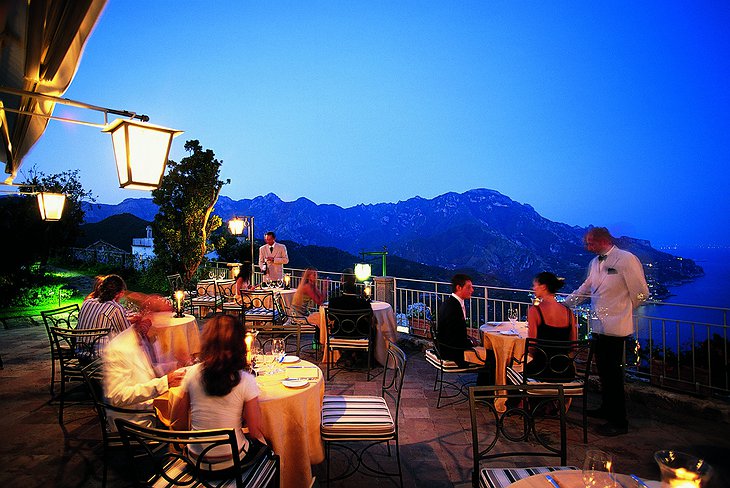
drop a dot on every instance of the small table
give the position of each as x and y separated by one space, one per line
498 336
573 479
178 338
385 330
290 420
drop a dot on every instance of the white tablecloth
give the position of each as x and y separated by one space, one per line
177 338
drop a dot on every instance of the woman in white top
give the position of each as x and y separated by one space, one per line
222 394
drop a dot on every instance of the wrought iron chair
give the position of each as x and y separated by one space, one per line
111 440
296 321
531 430
86 345
177 466
446 366
230 302
367 419
567 363
66 317
350 330
207 299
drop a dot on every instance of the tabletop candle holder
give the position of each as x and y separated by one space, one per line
682 470
287 281
179 296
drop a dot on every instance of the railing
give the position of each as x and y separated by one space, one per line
680 347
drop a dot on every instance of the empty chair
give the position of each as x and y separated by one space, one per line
446 366
546 362
174 465
297 322
207 299
367 419
349 330
65 317
525 434
86 346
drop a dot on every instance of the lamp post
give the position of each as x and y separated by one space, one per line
382 255
236 226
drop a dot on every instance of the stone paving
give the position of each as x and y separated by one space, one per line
435 443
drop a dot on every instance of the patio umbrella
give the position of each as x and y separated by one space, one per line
41 43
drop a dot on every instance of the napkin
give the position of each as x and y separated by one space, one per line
302 372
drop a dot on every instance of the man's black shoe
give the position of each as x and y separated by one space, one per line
610 430
596 413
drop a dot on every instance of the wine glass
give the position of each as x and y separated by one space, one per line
278 349
513 314
598 469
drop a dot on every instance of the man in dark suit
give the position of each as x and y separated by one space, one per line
454 342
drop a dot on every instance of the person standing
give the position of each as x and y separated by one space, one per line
616 286
272 258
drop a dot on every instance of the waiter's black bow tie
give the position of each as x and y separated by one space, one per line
271 249
602 257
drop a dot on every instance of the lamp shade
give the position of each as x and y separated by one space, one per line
141 152
362 271
51 205
235 225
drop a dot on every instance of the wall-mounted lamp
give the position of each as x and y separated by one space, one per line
140 149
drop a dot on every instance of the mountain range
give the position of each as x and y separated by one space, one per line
479 229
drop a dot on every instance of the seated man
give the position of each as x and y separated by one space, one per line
132 377
348 299
454 342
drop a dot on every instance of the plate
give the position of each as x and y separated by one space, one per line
290 359
294 383
509 333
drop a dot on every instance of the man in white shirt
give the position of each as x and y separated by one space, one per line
272 258
616 286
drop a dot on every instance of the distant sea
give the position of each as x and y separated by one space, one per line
710 290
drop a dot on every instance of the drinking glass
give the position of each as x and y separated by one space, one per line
682 469
598 469
278 349
513 314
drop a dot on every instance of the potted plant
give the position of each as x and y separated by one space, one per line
419 319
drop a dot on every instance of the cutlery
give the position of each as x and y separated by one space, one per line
639 481
552 481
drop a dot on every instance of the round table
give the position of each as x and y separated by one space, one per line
290 419
573 479
178 338
498 336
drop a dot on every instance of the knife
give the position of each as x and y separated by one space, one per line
552 481
639 481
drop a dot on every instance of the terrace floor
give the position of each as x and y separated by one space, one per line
435 443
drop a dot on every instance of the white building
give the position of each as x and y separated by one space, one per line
143 248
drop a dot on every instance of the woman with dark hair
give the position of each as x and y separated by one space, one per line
222 394
243 280
549 320
103 309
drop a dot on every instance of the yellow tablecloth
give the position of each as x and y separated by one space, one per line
290 421
505 347
385 330
177 338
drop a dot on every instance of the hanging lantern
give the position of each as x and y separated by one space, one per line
141 151
362 271
51 205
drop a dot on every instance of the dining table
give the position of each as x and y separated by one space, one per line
385 330
177 338
574 479
507 340
291 410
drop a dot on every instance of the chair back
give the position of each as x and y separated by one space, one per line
161 456
556 361
66 317
526 430
393 373
257 300
207 288
351 324
86 343
227 290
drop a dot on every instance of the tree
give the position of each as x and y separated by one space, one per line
185 220
31 239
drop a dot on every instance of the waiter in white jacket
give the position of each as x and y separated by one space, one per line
272 258
616 286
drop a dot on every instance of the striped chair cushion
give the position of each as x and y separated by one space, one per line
263 475
344 343
232 306
356 417
205 300
503 477
261 313
571 388
445 364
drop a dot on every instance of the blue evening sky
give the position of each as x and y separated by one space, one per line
604 113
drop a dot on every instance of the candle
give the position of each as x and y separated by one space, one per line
287 280
249 341
367 291
179 294
684 479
